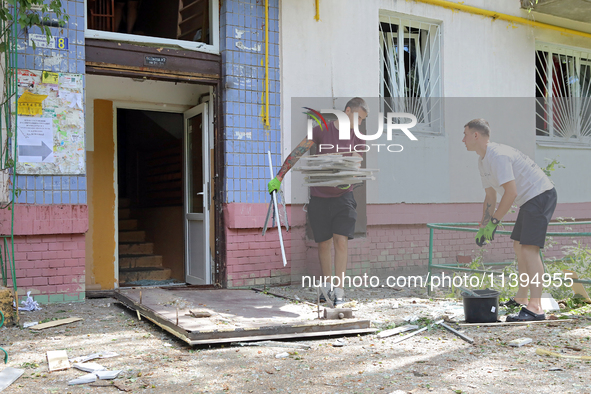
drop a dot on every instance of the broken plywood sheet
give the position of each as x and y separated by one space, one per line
239 315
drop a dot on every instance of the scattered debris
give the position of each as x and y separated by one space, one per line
549 304
282 355
89 367
520 342
275 344
93 356
199 313
88 378
57 360
555 369
575 348
29 304
56 323
578 288
8 376
107 375
543 352
397 330
339 343
30 324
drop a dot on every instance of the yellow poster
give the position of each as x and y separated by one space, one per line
31 104
51 78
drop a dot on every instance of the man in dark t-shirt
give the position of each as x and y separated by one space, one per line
332 210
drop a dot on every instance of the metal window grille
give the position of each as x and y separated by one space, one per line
410 70
563 94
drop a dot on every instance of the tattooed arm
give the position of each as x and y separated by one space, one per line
508 198
488 208
294 156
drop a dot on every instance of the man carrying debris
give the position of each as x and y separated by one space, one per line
332 210
518 179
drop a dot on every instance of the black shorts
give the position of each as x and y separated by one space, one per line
336 215
533 218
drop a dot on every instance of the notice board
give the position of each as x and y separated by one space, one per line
50 123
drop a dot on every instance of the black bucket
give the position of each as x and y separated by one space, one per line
483 309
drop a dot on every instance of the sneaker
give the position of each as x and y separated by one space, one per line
339 296
325 292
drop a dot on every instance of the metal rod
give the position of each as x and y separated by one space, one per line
412 334
277 212
459 334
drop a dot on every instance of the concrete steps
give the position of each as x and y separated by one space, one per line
143 273
137 260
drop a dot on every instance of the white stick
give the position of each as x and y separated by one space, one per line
277 212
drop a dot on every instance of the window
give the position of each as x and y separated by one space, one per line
563 94
190 24
410 70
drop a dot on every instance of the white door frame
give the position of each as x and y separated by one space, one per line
206 190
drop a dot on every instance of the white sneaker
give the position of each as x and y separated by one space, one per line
339 296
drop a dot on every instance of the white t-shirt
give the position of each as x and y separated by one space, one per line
502 164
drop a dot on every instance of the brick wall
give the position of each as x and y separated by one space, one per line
387 249
49 250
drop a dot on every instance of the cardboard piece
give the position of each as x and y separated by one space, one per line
578 288
57 360
89 367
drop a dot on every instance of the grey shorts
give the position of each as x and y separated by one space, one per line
330 216
533 218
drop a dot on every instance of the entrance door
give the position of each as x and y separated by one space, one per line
197 196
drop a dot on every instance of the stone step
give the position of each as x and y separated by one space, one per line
124 213
139 261
132 236
136 248
143 273
124 203
127 224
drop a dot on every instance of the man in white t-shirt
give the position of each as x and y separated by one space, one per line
519 180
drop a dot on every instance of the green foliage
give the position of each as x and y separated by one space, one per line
34 13
551 166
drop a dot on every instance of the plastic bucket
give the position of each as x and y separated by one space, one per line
483 309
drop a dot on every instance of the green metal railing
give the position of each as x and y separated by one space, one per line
463 227
8 144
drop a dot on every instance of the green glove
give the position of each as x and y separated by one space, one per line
489 230
274 185
480 241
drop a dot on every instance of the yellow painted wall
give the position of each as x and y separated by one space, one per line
101 196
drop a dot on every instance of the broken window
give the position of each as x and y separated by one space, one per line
410 70
563 94
185 20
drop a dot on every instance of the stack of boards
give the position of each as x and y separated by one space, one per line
333 170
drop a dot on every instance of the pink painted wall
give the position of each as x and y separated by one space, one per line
49 250
397 240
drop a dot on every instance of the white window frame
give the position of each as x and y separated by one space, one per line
581 57
214 48
429 86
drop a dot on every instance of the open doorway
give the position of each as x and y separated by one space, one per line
150 190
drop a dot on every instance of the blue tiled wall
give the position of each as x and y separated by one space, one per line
242 45
44 189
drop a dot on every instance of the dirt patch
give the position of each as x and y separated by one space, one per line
435 361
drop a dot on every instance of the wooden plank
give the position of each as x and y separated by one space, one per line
57 360
8 376
285 336
56 323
